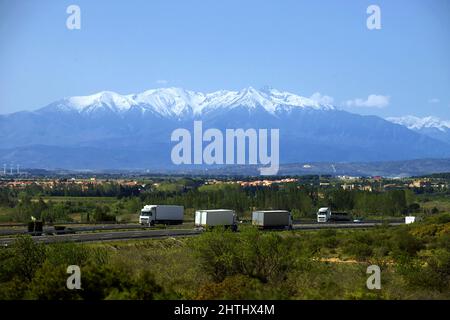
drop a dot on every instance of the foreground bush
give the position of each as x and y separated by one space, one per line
264 256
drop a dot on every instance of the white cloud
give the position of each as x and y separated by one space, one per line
322 99
162 81
434 100
372 101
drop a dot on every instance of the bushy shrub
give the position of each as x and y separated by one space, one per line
49 283
109 282
404 242
359 250
237 287
437 270
444 242
102 213
27 257
65 254
216 251
327 239
7 266
444 218
433 274
265 256
13 289
18 265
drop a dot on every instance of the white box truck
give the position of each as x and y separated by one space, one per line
215 218
272 219
410 219
161 214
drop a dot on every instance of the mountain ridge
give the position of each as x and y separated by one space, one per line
413 122
430 126
111 131
177 101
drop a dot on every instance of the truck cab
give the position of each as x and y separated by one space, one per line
148 214
323 215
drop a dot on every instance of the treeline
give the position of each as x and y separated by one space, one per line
238 198
51 211
106 189
302 200
21 206
395 202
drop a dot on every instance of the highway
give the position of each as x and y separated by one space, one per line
108 236
72 229
76 227
164 233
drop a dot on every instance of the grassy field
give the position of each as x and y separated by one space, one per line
6 214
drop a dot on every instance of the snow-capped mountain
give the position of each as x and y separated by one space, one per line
110 130
416 123
177 102
431 126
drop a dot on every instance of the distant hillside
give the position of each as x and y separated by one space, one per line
407 168
412 168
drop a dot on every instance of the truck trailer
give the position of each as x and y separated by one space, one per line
215 218
272 219
340 216
161 214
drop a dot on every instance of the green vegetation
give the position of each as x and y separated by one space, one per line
250 264
109 201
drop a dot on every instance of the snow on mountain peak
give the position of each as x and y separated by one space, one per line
113 100
416 123
178 101
170 101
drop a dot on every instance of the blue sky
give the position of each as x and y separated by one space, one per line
306 47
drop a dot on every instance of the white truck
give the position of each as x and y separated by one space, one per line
213 218
272 219
326 215
323 215
161 214
410 219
